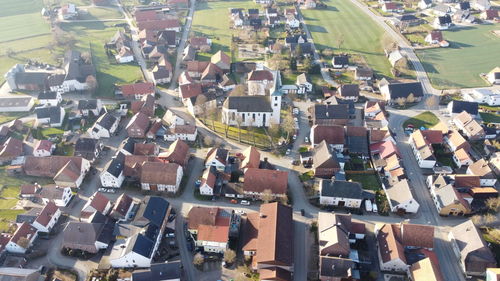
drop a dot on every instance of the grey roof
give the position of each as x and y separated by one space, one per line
153 210
295 39
86 145
55 80
357 144
343 189
39 78
161 72
331 111
324 157
349 90
336 267
52 112
248 104
442 8
87 104
444 19
14 102
398 90
159 272
410 17
457 106
115 166
446 195
18 274
142 245
76 68
129 145
106 234
81 233
126 230
341 60
47 96
106 120
28 216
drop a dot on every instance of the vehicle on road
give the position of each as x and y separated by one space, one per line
245 202
296 162
234 201
288 151
197 183
294 137
306 139
240 212
295 111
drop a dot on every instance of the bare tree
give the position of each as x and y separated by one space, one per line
340 41
410 98
208 141
493 204
327 52
212 115
489 219
229 256
284 199
91 83
86 57
201 103
288 124
266 196
477 220
494 234
239 90
401 101
198 259
239 120
431 102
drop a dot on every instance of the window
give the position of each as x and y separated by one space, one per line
253 116
275 98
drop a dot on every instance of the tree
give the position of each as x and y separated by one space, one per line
327 52
401 101
212 114
493 204
201 103
340 41
288 125
293 63
91 83
239 90
477 220
284 199
307 64
266 196
489 219
298 51
494 234
229 256
208 141
239 120
410 98
198 259
86 57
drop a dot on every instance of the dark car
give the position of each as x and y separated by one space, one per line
302 212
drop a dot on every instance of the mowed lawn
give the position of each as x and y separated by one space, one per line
19 19
361 35
471 52
212 19
425 119
93 36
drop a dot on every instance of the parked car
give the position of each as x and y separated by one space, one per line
295 111
288 151
245 202
170 235
302 212
234 201
306 139
375 208
368 205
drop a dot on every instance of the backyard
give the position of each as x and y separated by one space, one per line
368 181
469 55
425 119
212 19
342 21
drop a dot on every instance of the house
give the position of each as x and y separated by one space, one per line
494 76
487 96
170 271
363 73
442 10
146 105
481 5
357 141
250 159
98 202
255 111
324 160
79 72
270 255
303 84
221 60
464 6
208 180
410 19
470 127
340 61
19 274
408 92
211 226
138 248
64 170
434 37
123 208
454 141
292 21
425 4
349 92
446 198
138 125
150 148
260 181
456 107
200 43
218 158
112 175
480 168
88 148
162 73
400 198
330 115
16 104
11 149
471 249
51 115
61 196
68 12
87 237
86 107
22 239
124 55
332 135
157 176
426 269
136 90
47 218
29 191
390 250
178 152
391 7
443 22
461 158
341 193
104 127
49 98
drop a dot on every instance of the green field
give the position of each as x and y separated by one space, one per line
425 119
93 35
360 34
212 20
101 13
470 53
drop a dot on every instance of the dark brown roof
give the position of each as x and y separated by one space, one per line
260 75
137 89
133 164
48 166
330 134
389 247
11 148
416 235
159 173
24 231
356 131
206 216
29 189
258 180
145 148
122 204
275 238
46 214
99 201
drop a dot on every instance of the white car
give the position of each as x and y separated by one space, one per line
245 202
368 205
240 212
375 208
288 151
306 139
295 111
294 137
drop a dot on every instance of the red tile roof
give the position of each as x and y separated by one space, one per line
159 173
99 202
190 90
47 213
330 134
24 231
385 149
44 145
258 180
145 15
158 25
260 75
138 89
433 136
213 233
251 158
178 152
